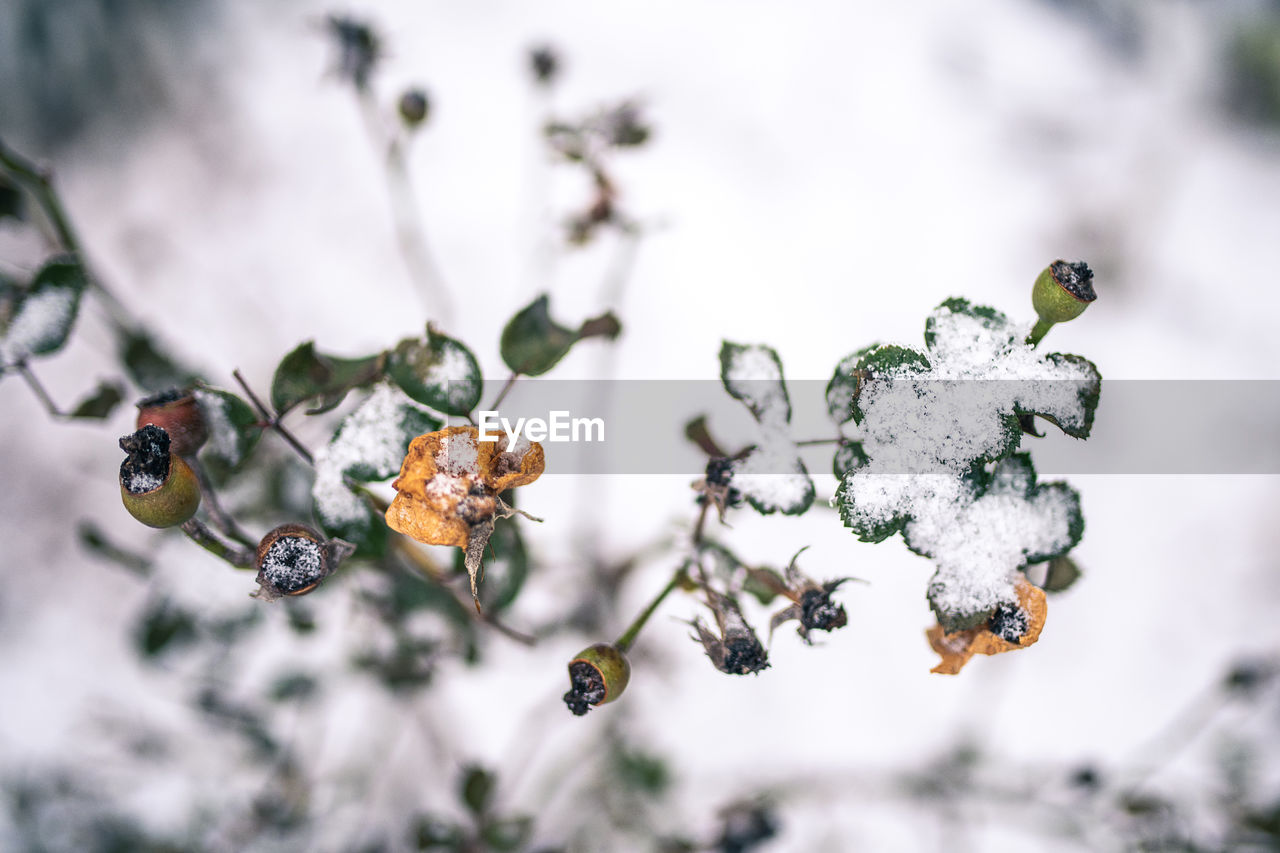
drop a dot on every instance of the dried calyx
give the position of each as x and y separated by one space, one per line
146 468
293 559
598 674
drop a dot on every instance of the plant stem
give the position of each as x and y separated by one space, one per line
197 532
1038 331
37 182
273 421
38 389
217 514
502 394
628 637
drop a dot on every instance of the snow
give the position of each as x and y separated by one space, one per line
370 437
451 369
42 319
224 439
140 482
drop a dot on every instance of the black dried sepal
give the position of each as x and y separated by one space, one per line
1009 623
586 687
818 612
147 464
1075 278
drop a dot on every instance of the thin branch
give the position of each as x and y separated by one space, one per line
39 390
273 421
38 182
506 388
217 514
241 558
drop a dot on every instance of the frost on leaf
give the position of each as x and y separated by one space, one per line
447 491
439 372
771 476
232 423
939 428
368 446
1015 624
41 318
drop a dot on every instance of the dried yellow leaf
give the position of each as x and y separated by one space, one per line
958 647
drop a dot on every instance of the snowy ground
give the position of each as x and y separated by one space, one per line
821 176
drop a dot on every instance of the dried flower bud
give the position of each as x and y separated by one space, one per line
737 650
177 413
598 674
414 107
157 487
545 64
1062 291
294 558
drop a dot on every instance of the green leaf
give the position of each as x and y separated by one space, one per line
439 372
435 833
11 201
476 789
305 374
1087 395
1060 574
992 320
867 529
752 373
233 426
844 386
641 771
410 422
367 530
42 319
533 343
150 368
883 362
505 570
848 458
100 403
163 626
299 686
97 542
507 834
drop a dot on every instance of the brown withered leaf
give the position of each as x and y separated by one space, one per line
1010 629
447 491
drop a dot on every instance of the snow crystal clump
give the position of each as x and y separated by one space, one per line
371 439
224 440
292 563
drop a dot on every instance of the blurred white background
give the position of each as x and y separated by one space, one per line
820 175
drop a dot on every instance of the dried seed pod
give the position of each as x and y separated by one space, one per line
294 558
157 487
177 413
598 674
1062 291
414 107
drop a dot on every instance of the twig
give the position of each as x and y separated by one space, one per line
38 389
407 220
628 637
273 421
239 557
502 394
37 182
217 514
